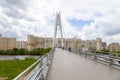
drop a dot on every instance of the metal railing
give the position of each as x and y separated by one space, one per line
110 60
37 72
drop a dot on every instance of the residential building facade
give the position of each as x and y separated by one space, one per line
21 44
114 47
7 43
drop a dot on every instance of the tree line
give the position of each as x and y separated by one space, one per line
23 51
107 52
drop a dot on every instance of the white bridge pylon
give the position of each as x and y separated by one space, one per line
58 24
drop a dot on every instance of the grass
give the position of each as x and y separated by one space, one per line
11 68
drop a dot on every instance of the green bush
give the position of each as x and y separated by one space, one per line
104 50
22 51
45 51
100 52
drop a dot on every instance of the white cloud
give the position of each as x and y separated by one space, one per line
37 17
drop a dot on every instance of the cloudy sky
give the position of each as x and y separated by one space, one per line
87 19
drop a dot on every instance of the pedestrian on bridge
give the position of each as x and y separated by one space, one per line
69 49
62 48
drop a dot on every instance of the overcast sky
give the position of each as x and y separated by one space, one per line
85 18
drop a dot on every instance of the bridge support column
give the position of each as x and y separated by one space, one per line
58 23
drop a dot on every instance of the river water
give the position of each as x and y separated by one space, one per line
21 57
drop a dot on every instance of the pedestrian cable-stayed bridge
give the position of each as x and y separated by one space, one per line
60 64
64 65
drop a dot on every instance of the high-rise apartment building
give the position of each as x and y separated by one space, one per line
70 42
38 42
104 45
114 47
7 43
21 44
48 42
98 44
75 44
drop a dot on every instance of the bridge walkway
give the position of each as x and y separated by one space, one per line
70 66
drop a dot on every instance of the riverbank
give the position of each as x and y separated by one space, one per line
11 68
20 57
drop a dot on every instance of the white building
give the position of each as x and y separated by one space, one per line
21 44
98 44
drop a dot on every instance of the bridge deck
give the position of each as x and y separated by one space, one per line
69 66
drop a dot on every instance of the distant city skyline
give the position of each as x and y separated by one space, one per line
33 42
88 19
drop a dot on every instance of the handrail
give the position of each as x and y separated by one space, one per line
109 60
21 74
26 70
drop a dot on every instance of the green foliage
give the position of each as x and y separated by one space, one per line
100 52
104 50
45 51
113 54
36 51
107 52
22 51
11 68
118 53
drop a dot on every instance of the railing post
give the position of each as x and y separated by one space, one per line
48 59
110 59
42 77
41 63
95 56
85 54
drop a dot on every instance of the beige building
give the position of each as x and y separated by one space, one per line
78 44
91 44
98 44
75 44
114 47
38 42
7 43
70 42
31 42
48 42
59 42
21 44
34 42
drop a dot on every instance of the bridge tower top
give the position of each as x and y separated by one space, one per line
58 24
